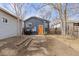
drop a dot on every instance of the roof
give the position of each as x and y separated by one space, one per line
7 12
36 18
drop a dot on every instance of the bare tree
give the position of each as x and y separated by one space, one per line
42 11
45 14
20 13
62 12
65 11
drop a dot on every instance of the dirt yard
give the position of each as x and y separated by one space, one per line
41 45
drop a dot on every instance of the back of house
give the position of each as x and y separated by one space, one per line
36 25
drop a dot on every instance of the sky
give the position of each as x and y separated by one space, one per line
32 9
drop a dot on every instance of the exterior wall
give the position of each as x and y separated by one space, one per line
8 29
73 30
70 28
46 27
36 22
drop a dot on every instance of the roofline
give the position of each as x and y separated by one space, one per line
2 9
35 17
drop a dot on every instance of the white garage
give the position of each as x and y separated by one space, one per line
8 24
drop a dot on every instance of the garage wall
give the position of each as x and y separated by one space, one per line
8 29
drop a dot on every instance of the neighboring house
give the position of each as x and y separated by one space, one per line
8 24
36 25
72 28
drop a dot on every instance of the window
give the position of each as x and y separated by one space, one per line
44 21
28 24
5 20
45 25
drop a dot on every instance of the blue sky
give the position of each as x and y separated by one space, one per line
34 12
30 9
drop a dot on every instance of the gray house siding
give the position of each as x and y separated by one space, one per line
37 21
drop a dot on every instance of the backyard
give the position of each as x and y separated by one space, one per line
39 29
41 45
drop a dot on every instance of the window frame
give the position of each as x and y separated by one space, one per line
4 20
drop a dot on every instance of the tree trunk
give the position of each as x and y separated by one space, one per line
18 28
63 28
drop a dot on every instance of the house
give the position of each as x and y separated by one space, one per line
72 28
8 24
36 25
